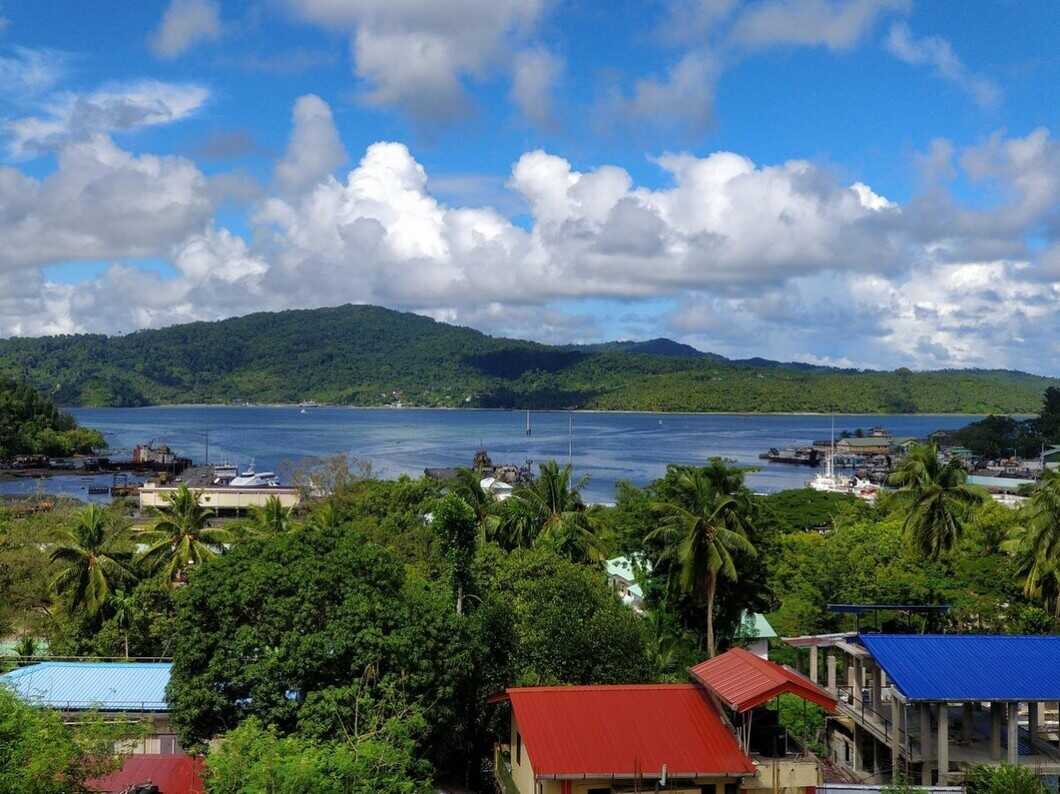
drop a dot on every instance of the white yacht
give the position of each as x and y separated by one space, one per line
253 479
831 482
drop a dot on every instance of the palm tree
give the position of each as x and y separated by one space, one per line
550 512
468 486
1036 544
270 519
708 518
124 608
92 561
181 536
938 495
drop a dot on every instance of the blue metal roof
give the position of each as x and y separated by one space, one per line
952 667
108 686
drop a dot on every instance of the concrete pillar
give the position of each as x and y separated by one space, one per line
830 663
858 676
967 715
858 761
813 663
925 743
1033 720
896 736
995 731
944 743
877 688
1013 732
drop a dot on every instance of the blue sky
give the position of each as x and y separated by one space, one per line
859 182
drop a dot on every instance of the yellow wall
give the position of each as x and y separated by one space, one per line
219 498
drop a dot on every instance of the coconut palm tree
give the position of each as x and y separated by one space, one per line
550 512
123 607
92 561
938 497
707 519
468 486
272 518
1036 542
181 537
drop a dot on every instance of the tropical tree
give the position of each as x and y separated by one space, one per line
468 486
708 518
181 537
92 560
26 647
454 521
272 518
938 497
549 512
124 608
1036 542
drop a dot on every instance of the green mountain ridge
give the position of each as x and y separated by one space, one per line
368 355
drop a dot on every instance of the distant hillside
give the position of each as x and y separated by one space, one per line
366 355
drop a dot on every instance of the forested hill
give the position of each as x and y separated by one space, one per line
365 355
31 425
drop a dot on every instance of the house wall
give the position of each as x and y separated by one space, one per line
522 771
152 495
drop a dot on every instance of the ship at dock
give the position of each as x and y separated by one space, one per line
803 456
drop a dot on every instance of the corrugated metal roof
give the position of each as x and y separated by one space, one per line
621 731
108 686
172 774
743 681
941 667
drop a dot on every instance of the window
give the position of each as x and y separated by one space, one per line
709 788
599 791
518 748
732 788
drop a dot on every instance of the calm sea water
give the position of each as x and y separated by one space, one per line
606 446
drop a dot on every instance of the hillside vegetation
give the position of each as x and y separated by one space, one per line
31 424
365 355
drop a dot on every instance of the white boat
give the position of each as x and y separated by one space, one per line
253 479
830 482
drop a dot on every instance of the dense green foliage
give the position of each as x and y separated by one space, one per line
1004 779
1003 436
39 754
257 760
31 425
364 355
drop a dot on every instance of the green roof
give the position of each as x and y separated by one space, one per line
755 625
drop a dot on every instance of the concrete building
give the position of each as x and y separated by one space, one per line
131 690
221 498
934 706
705 737
623 578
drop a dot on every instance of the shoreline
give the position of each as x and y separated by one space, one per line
622 411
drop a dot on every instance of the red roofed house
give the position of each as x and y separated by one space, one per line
677 737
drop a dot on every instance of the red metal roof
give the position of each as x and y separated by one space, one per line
623 731
173 774
743 681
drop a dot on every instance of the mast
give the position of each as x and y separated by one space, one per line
831 456
570 442
528 428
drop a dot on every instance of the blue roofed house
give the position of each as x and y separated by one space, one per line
934 706
134 690
622 575
754 633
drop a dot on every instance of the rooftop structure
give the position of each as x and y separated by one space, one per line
622 731
107 686
935 705
170 774
743 680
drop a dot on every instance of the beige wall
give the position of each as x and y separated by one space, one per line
152 495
